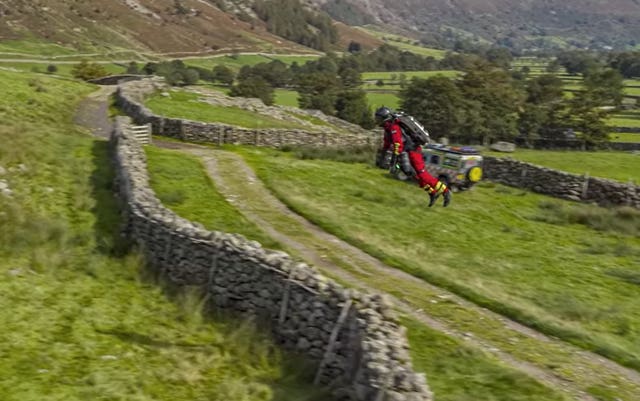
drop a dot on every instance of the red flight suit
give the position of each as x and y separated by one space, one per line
393 141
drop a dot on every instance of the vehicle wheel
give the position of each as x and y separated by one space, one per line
474 174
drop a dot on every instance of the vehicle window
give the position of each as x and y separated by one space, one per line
451 162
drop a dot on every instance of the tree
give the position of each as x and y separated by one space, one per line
352 106
493 101
605 86
354 47
318 90
543 113
223 74
499 56
190 76
87 71
132 68
254 86
589 119
436 102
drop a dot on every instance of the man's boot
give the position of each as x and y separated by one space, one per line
433 195
447 198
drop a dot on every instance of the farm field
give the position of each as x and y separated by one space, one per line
562 361
181 104
620 166
454 370
62 69
237 61
626 118
625 137
586 302
81 319
378 99
403 43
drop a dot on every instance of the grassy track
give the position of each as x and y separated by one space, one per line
572 280
181 184
78 321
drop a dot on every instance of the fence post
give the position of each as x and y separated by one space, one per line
332 339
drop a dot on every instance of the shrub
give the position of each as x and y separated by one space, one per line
87 71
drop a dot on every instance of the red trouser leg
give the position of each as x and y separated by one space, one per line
417 162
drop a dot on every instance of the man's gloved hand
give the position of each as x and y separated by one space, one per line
394 166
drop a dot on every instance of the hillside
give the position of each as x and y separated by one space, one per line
177 28
519 24
160 26
216 26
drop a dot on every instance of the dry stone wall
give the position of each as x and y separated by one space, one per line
130 97
560 184
360 350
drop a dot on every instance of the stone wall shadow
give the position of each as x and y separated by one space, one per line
108 219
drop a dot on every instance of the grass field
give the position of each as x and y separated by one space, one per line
34 48
620 166
625 137
79 320
455 371
575 279
237 61
387 75
627 118
286 97
183 104
182 185
63 69
403 43
377 99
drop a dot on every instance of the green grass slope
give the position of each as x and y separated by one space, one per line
455 371
78 320
569 270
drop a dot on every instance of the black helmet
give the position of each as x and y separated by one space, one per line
382 114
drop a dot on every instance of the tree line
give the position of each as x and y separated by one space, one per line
490 101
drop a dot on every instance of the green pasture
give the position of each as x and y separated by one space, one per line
624 137
378 99
626 118
234 61
389 75
632 91
403 42
620 166
455 371
182 104
567 269
238 60
63 68
34 48
290 59
387 86
286 97
80 318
